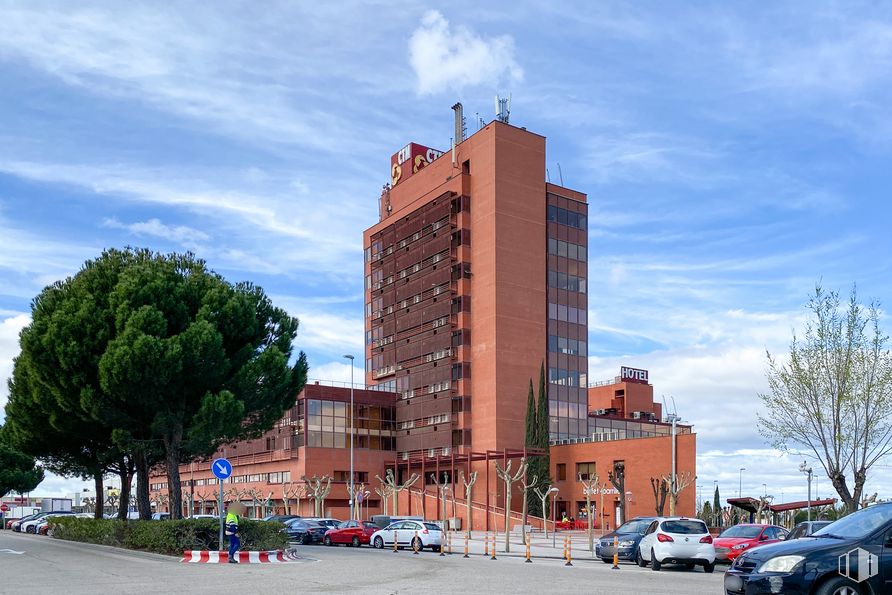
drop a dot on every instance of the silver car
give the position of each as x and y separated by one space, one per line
415 534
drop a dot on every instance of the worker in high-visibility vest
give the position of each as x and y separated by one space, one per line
233 514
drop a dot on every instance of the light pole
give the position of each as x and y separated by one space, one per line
740 482
673 419
554 491
804 468
350 487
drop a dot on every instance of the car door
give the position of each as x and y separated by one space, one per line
407 532
647 541
886 563
347 531
393 529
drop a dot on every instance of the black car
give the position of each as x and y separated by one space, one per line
281 518
628 535
305 532
806 528
852 556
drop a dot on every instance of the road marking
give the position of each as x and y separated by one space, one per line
7 551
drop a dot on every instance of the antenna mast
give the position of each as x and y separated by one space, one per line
503 108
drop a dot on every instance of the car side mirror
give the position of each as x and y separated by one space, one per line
763 538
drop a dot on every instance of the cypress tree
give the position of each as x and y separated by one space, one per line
531 440
542 465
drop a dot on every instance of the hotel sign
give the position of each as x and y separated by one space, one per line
409 160
633 374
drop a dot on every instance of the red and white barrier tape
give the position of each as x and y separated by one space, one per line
215 557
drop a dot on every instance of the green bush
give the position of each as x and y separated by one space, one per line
166 537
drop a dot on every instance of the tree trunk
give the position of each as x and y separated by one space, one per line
839 484
523 527
100 495
507 518
468 504
125 471
142 485
172 446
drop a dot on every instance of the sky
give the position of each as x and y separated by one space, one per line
733 157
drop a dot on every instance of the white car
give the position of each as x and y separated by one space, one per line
31 526
414 534
677 540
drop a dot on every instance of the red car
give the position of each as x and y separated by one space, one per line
353 533
735 540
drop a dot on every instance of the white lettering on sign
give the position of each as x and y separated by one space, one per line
633 374
432 154
404 155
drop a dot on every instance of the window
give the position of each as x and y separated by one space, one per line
561 471
585 471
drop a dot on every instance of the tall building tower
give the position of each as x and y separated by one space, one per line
475 278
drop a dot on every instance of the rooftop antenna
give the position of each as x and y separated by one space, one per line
547 176
503 108
460 128
560 173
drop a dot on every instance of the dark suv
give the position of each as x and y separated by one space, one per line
852 556
628 536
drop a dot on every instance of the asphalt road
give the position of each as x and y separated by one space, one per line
47 565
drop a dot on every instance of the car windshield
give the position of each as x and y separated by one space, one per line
742 531
859 524
684 527
634 526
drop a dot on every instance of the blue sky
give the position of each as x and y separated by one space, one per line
732 157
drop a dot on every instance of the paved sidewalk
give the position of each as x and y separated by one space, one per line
540 546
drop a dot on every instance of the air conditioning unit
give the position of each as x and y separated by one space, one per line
637 414
600 412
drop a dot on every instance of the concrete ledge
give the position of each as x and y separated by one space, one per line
215 557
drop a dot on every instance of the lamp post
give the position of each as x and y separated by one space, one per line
350 487
804 468
740 482
554 491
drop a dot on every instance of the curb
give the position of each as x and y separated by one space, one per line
215 557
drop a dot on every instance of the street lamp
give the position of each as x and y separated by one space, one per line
673 419
740 482
553 490
350 357
804 468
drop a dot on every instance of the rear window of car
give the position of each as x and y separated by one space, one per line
432 527
684 527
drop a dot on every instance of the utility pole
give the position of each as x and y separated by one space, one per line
350 487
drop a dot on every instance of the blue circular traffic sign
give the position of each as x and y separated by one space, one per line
222 468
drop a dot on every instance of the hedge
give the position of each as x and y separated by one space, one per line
166 537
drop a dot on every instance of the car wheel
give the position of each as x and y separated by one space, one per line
30 529
328 540
305 540
355 541
607 560
839 585
689 566
709 567
379 543
417 545
654 563
639 560
437 548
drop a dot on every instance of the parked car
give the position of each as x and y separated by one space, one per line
415 534
305 531
833 559
204 516
30 526
734 540
44 526
282 518
160 516
14 524
677 540
328 523
628 536
806 528
353 533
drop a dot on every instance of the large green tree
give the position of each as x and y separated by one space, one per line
18 472
531 441
540 466
831 399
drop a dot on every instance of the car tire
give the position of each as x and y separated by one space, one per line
639 560
379 543
355 542
31 529
689 566
709 567
839 585
437 548
328 541
305 540
417 544
607 560
654 563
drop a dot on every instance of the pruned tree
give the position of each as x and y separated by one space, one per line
468 482
318 489
234 494
526 485
442 489
292 490
203 496
762 506
542 493
395 488
675 488
159 499
618 478
869 500
661 490
383 493
589 489
833 398
259 500
509 479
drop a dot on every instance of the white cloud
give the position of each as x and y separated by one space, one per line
10 327
180 234
446 58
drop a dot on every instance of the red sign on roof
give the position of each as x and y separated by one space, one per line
409 160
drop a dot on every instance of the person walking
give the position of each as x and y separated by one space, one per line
233 514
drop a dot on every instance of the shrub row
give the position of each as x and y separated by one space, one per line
166 537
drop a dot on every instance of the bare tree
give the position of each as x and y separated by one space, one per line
395 488
505 475
681 482
661 490
260 501
292 490
589 489
764 503
833 399
469 487
203 496
317 489
618 478
384 493
525 488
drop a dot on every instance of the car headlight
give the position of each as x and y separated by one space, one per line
626 543
781 564
740 546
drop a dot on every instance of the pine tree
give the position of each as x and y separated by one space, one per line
717 507
531 440
542 464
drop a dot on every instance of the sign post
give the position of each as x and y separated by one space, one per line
222 470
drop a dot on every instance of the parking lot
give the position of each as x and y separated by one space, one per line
49 565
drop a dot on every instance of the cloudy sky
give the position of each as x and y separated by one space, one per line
732 159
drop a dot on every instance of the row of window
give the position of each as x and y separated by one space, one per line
568 218
568 346
567 249
339 440
565 281
566 377
584 471
358 476
567 313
